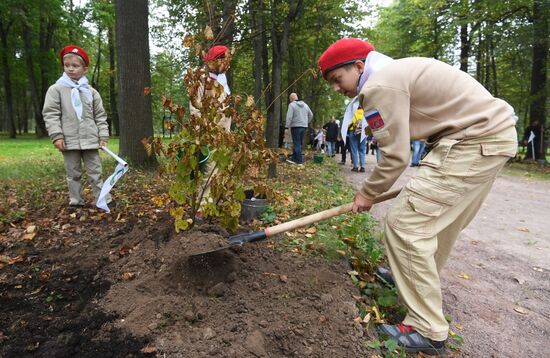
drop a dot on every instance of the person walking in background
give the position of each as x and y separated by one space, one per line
345 148
358 142
373 147
418 149
298 118
331 129
320 141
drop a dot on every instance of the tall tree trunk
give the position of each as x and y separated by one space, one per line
493 67
112 89
464 48
257 25
479 68
47 30
279 47
97 67
136 120
228 28
539 96
35 91
4 31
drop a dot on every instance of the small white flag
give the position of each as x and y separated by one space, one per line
121 168
531 137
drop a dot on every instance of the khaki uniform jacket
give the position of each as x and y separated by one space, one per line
62 122
422 98
216 91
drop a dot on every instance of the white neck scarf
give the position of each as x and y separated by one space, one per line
348 117
80 86
374 62
222 80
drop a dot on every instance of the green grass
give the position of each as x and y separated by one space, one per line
28 158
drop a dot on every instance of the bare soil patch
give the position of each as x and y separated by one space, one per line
129 289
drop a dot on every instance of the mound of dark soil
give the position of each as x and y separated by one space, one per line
138 288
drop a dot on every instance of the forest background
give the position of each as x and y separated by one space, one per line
276 44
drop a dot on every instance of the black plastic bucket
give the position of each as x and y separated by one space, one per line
252 207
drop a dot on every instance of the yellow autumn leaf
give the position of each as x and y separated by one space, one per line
464 276
312 230
377 317
127 276
189 41
249 101
208 33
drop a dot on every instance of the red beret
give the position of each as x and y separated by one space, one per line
214 53
342 52
75 50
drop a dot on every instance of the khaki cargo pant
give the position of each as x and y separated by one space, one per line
210 166
436 204
73 166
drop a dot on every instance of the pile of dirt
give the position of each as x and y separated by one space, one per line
251 301
136 292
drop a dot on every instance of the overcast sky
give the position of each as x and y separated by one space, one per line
367 22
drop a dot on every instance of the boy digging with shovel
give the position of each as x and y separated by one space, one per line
471 135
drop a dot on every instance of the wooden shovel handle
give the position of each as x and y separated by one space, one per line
326 214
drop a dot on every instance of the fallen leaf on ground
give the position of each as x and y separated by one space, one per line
519 280
30 229
367 318
524 229
312 230
148 350
521 310
464 276
16 259
538 269
377 317
128 276
283 278
459 326
29 236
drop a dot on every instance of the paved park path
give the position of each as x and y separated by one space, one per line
496 285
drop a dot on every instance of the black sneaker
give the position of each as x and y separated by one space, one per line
386 275
410 339
354 169
362 170
111 205
76 206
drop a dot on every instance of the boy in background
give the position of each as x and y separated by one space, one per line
77 124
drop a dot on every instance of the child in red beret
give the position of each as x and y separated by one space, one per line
77 123
471 135
213 85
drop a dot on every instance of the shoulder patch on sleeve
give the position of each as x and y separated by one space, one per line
374 120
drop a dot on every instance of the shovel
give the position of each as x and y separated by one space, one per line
241 239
